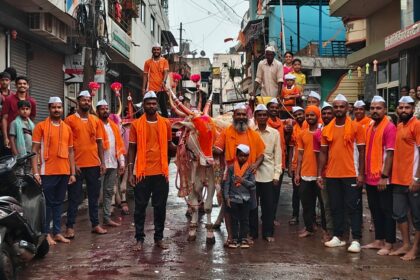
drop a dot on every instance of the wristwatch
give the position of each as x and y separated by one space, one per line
383 176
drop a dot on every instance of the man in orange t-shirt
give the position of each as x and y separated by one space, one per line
306 172
87 132
344 174
299 114
154 77
359 112
406 177
150 138
57 165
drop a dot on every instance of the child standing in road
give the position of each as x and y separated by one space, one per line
239 192
21 132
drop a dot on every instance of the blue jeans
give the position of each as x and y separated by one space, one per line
54 187
93 185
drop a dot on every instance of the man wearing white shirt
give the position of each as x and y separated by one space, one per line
114 159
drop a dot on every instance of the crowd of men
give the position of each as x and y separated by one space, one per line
329 156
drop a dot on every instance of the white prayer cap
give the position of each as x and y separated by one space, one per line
406 99
54 99
157 45
260 107
239 106
359 104
243 148
102 103
270 49
297 108
290 77
378 98
274 100
149 94
326 105
314 95
84 93
181 98
340 97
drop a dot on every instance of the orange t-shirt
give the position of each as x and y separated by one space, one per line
294 90
297 129
85 134
278 124
155 73
54 165
341 156
153 155
221 141
305 143
406 152
364 123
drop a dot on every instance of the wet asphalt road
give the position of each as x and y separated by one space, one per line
111 256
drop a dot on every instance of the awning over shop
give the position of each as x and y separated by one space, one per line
169 38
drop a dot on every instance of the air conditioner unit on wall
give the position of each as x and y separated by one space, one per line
48 26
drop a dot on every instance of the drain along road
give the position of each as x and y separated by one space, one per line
111 256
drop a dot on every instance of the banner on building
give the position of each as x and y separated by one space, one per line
402 36
74 64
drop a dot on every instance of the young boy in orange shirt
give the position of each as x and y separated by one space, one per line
290 95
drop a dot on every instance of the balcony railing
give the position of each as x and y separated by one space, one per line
329 49
124 21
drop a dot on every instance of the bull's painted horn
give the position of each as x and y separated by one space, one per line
119 106
208 104
176 110
179 104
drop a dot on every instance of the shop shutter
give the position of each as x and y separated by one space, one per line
18 58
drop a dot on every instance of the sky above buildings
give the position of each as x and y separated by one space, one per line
207 23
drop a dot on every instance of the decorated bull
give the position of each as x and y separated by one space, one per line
199 173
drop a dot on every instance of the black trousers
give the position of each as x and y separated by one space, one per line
276 195
265 200
163 103
156 187
309 192
346 203
239 213
295 199
380 205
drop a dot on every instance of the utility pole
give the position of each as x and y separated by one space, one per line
89 67
180 57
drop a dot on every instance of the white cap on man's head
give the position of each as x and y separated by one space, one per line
157 45
243 148
359 104
84 93
102 103
314 95
239 106
149 94
260 107
54 99
340 97
406 99
274 100
289 77
297 108
270 49
326 105
378 98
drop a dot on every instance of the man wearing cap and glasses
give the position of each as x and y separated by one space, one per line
344 173
154 77
148 171
268 174
406 178
269 74
380 145
114 151
57 168
88 134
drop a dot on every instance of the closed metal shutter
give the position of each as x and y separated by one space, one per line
45 71
18 58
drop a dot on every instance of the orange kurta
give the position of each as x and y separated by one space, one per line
278 124
229 139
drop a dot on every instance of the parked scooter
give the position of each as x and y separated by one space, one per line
22 217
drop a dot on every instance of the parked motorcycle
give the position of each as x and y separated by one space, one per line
22 217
